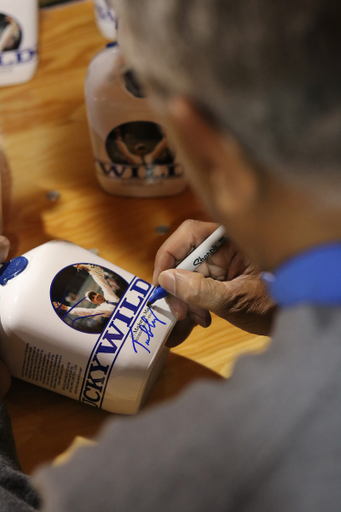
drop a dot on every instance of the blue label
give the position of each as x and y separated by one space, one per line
142 172
111 341
8 59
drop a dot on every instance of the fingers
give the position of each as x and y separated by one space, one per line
181 310
194 289
224 284
243 301
190 234
180 332
4 248
225 264
236 267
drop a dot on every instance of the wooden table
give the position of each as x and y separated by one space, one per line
45 146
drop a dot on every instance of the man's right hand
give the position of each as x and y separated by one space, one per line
226 284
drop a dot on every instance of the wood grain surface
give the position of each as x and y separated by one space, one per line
45 146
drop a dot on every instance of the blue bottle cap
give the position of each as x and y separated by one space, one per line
12 268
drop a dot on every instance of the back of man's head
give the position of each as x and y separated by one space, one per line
267 71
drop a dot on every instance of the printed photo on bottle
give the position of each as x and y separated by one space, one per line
84 296
10 33
139 150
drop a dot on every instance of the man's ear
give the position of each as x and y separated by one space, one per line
214 154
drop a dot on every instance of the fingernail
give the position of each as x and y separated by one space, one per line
167 281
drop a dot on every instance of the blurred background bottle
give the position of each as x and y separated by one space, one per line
105 19
18 41
132 154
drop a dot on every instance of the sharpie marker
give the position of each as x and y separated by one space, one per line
194 259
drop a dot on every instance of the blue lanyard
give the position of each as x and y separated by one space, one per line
311 277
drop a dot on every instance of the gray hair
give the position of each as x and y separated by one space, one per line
266 71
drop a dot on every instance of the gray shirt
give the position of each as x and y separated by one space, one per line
266 440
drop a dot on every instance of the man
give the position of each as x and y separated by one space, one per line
251 91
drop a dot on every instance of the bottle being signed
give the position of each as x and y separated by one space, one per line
132 154
79 325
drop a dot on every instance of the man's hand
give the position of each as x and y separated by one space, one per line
5 378
226 284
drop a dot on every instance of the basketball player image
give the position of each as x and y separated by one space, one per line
105 302
10 34
140 156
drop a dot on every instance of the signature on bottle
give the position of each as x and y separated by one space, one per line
146 327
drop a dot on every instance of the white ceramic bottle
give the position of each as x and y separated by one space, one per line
18 41
78 325
105 19
131 150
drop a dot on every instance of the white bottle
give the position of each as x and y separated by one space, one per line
131 150
18 41
105 19
78 325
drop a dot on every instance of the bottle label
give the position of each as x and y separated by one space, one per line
139 150
11 38
84 296
93 299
